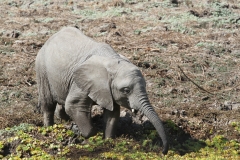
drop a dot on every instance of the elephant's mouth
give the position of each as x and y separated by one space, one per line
124 102
128 103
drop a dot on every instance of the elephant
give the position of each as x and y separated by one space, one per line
75 71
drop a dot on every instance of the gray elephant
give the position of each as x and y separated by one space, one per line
75 71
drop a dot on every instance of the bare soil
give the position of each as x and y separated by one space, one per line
193 85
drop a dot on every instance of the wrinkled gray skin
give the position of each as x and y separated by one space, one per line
75 71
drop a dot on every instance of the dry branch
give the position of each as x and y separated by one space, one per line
194 82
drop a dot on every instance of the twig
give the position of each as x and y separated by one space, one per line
28 83
30 3
194 82
147 49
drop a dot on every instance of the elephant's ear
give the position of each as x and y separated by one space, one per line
92 77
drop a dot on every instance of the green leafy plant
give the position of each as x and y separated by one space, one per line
236 125
121 148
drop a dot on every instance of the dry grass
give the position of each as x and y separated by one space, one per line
200 37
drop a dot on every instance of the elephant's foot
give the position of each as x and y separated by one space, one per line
84 123
48 118
88 133
48 113
86 141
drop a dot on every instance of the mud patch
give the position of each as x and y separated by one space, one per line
10 148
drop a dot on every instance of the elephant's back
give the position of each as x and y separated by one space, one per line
58 57
63 53
69 43
65 48
70 46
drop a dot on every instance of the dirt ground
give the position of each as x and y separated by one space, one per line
191 64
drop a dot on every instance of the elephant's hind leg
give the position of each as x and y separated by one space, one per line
48 113
45 100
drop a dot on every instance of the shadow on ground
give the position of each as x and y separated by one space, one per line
139 128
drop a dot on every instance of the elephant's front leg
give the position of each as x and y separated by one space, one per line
61 113
78 106
111 121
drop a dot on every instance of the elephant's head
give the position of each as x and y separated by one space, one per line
116 80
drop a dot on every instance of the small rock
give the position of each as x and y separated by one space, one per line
136 120
126 117
123 113
97 110
144 119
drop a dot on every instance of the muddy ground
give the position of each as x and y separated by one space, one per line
191 64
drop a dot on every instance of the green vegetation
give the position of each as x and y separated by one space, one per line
27 141
96 14
178 22
45 20
236 126
7 51
216 15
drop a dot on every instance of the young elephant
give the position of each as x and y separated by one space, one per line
75 71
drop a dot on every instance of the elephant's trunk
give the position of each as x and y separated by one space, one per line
149 112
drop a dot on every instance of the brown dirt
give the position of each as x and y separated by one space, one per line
150 44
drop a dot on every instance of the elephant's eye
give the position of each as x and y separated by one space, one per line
125 90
